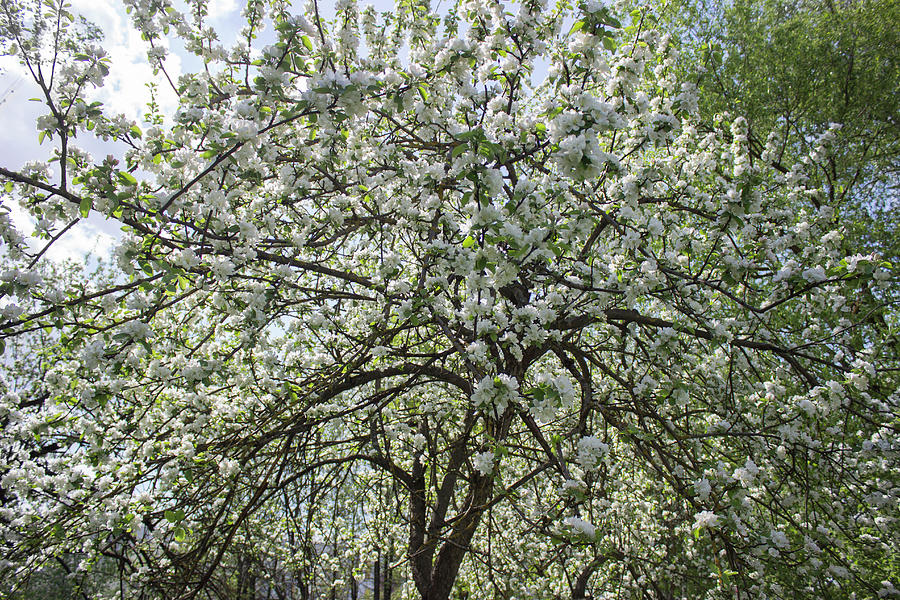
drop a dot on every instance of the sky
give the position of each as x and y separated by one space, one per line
124 91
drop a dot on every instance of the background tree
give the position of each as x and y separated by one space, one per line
798 69
382 284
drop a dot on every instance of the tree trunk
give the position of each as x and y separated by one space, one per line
434 576
376 578
388 586
454 550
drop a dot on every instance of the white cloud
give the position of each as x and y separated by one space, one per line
221 9
125 88
88 237
18 136
93 236
124 91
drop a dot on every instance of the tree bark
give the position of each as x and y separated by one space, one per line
376 578
454 550
388 588
434 576
419 561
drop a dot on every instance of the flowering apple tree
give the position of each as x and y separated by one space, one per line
469 305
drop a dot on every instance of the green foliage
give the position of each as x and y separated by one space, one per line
798 68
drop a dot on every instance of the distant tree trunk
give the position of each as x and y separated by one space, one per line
376 578
246 579
388 582
303 585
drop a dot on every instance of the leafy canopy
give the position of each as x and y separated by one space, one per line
799 69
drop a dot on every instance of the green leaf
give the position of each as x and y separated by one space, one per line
577 26
8 187
85 206
612 22
180 533
459 149
468 242
307 42
609 43
477 133
127 178
135 131
174 516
